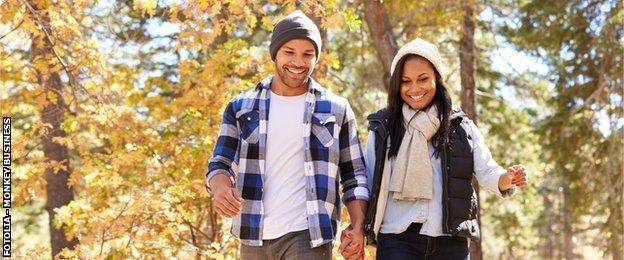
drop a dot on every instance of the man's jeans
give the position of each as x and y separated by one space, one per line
294 245
412 245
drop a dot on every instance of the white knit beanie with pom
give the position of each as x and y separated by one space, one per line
422 48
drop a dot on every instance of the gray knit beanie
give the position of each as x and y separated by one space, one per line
295 26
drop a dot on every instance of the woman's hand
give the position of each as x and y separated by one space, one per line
352 244
515 176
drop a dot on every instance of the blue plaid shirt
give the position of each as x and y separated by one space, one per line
332 154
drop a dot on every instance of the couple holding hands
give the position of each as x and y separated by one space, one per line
294 143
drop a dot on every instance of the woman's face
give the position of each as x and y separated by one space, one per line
418 85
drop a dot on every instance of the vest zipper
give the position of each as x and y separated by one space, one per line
376 180
445 172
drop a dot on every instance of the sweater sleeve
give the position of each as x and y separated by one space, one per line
487 171
369 159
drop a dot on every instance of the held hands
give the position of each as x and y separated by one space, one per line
352 243
515 176
226 199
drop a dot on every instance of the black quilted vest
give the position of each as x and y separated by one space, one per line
459 198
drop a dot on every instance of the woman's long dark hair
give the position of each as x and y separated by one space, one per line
441 99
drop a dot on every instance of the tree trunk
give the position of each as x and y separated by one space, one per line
468 101
614 224
546 244
381 34
614 167
58 192
467 60
321 69
614 186
568 243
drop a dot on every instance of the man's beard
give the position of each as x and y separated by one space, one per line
291 82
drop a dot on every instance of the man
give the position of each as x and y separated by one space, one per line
293 142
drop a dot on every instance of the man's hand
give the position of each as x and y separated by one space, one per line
226 199
352 244
515 176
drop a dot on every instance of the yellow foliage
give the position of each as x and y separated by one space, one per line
148 6
139 141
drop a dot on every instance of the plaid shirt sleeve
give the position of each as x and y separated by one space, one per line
351 163
226 148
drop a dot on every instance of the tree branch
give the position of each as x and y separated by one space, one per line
15 28
71 77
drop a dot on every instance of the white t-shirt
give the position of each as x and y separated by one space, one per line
284 195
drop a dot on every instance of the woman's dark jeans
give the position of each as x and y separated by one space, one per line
412 245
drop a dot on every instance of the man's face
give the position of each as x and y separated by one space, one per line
294 62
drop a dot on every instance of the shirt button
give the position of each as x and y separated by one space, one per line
248 118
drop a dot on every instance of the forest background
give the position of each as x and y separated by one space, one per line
116 106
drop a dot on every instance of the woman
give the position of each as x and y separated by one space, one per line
421 156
